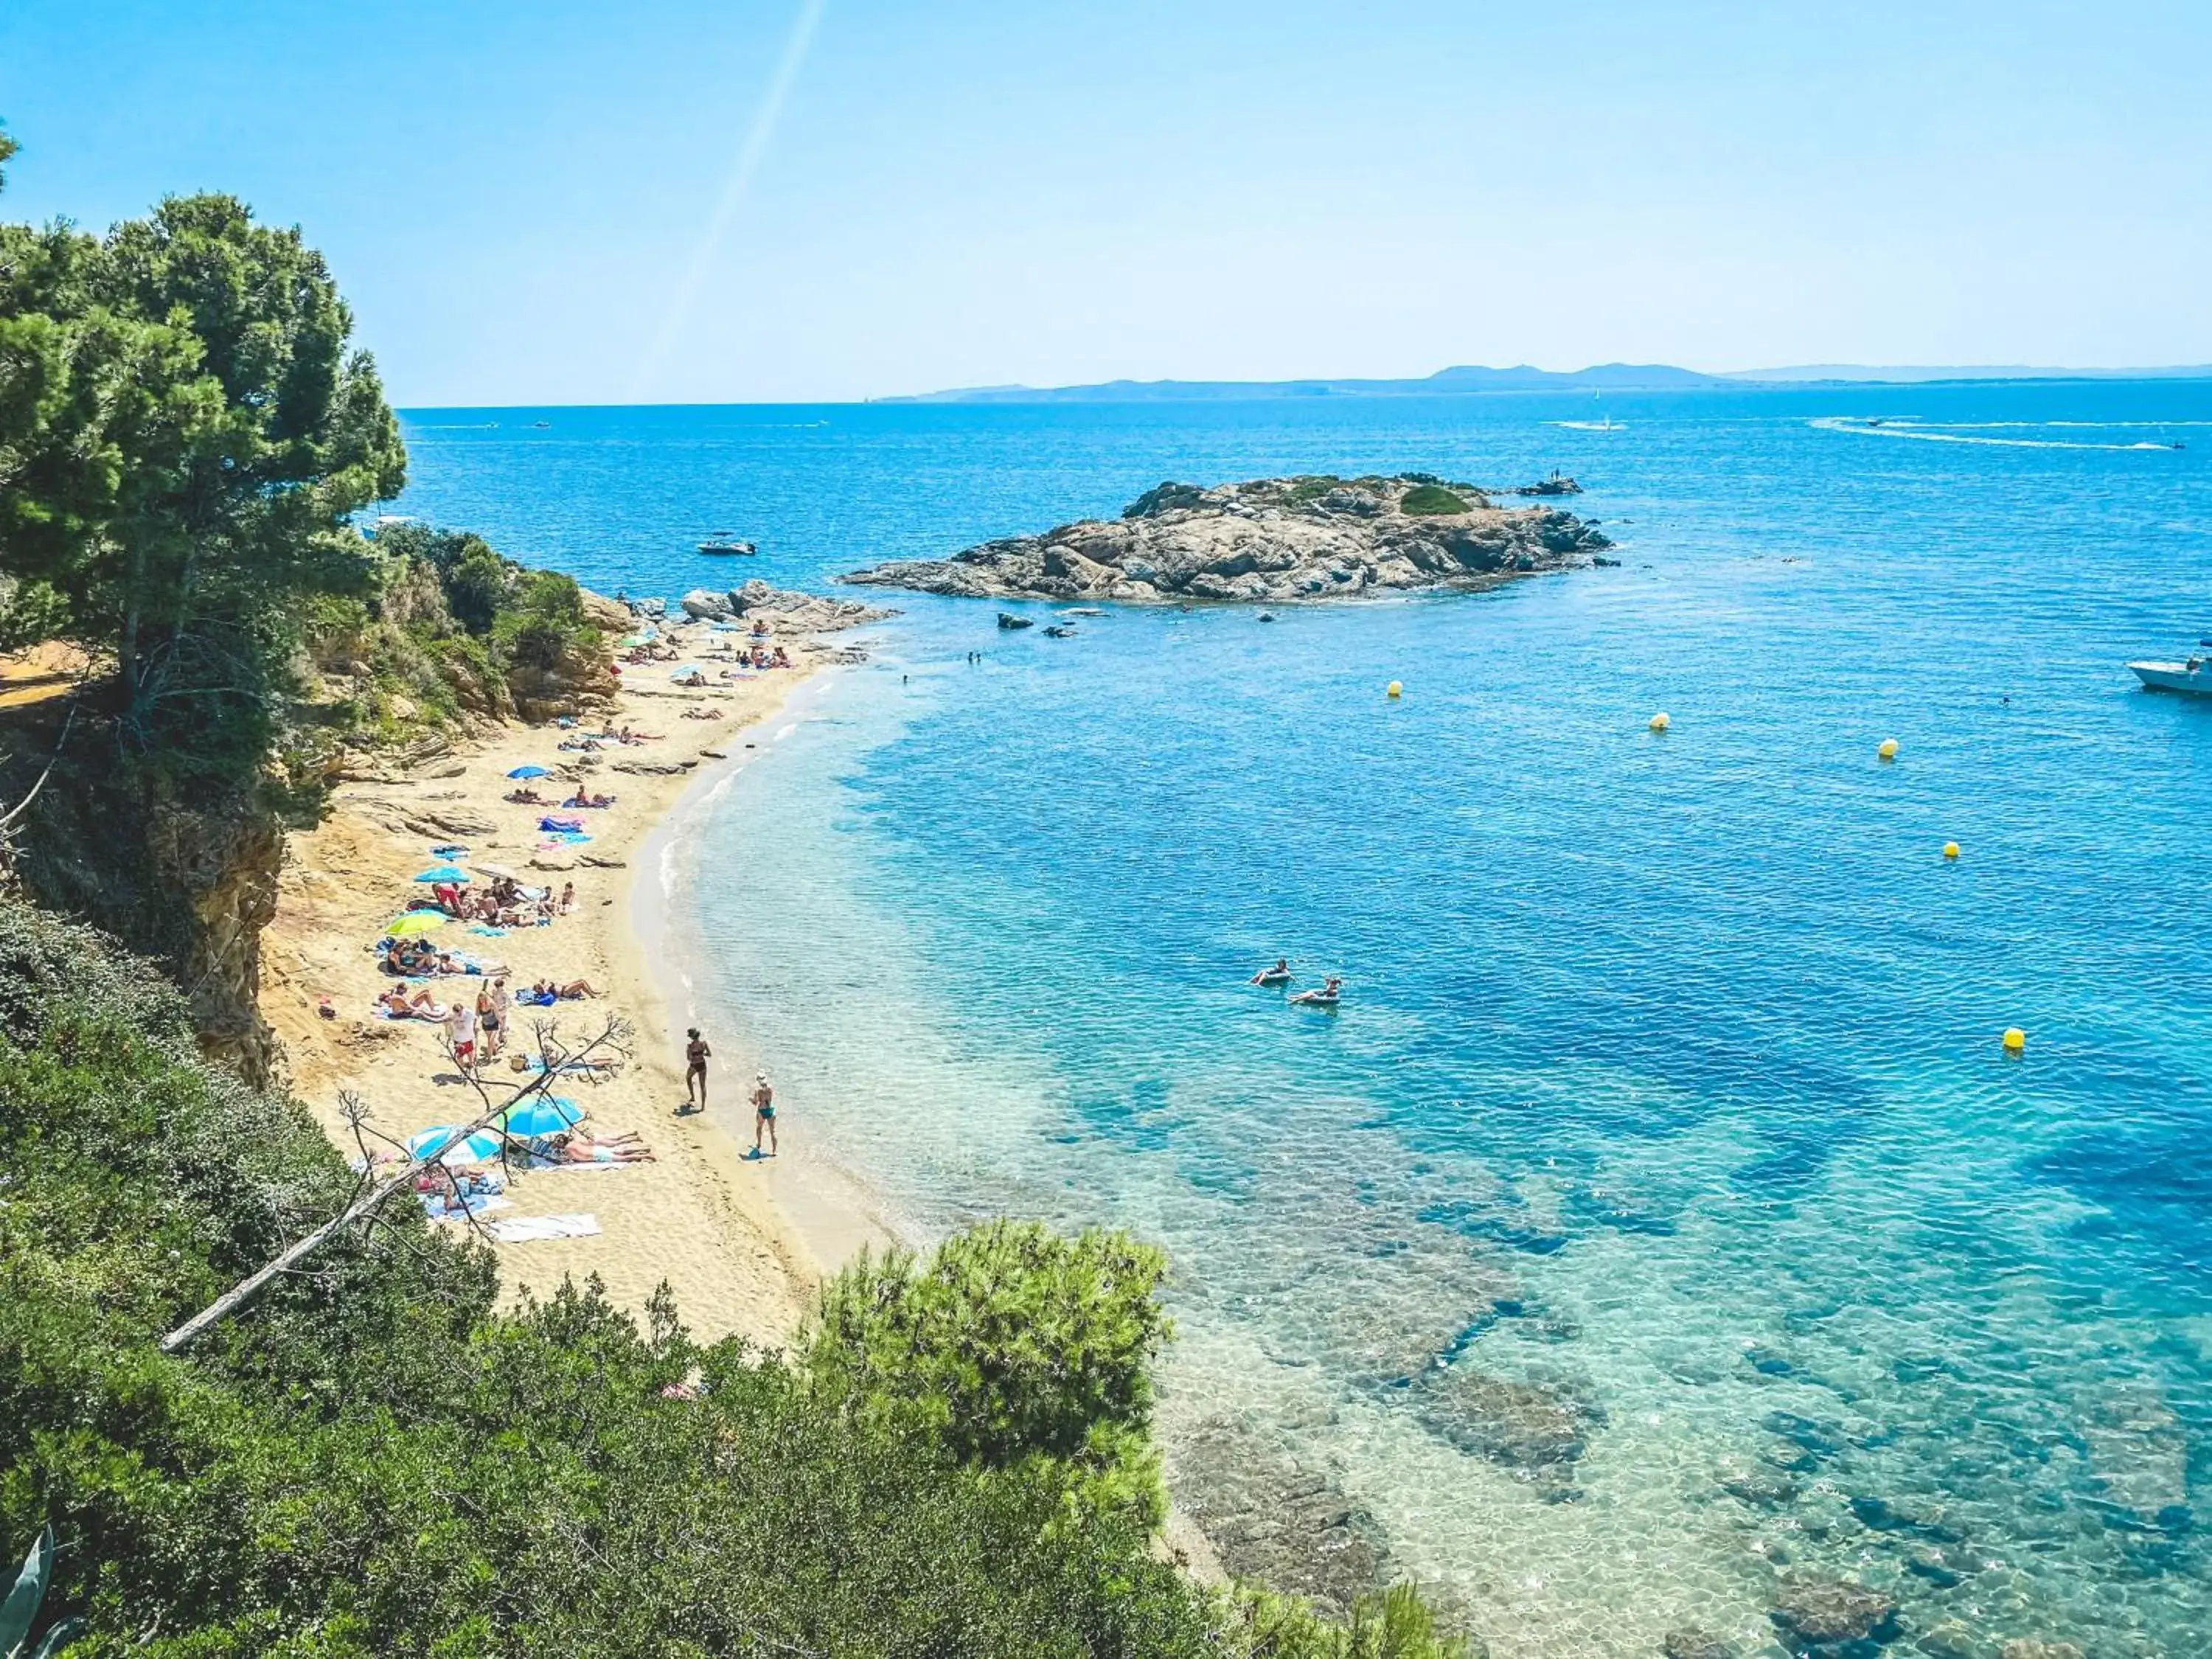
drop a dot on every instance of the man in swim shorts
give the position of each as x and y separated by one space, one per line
696 1055
763 1114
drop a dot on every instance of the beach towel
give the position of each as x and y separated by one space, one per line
549 822
549 1164
525 1228
440 1208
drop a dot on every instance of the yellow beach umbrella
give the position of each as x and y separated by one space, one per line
416 921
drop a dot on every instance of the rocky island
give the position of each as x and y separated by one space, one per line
1273 540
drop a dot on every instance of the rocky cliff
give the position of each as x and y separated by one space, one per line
1274 540
185 877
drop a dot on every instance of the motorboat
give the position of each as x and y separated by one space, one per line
2194 674
722 545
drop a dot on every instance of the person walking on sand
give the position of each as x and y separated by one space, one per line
763 1114
695 1056
461 1024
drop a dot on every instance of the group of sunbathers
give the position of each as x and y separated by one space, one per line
758 656
505 903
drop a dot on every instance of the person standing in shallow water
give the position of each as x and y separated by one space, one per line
763 1114
696 1055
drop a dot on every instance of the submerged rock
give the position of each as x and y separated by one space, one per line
1518 1425
1761 1488
1271 540
2024 1648
1819 1616
1696 1645
1269 1517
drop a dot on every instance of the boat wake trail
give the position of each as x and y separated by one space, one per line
1952 435
1589 425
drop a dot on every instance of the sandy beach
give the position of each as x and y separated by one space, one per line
702 1217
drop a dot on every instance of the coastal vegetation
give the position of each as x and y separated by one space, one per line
954 1460
1429 499
449 632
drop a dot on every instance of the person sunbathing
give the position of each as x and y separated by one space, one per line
780 660
579 798
583 1149
464 1182
701 714
417 1005
527 796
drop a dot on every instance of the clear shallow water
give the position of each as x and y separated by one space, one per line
1669 1081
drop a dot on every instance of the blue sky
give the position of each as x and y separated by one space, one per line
519 197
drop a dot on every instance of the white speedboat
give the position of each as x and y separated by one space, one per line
2194 675
723 543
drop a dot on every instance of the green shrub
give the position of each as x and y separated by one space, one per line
1013 1342
1429 500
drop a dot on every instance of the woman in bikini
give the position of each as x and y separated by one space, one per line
763 1114
696 1055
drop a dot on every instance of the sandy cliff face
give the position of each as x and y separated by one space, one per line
221 868
1273 540
190 882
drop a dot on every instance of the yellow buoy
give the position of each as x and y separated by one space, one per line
1393 689
1950 849
1659 722
2015 1039
1888 748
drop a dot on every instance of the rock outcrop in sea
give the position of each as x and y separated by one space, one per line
1273 540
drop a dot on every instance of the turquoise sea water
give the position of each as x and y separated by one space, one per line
1669 1078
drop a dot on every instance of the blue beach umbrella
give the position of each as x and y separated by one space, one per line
443 873
548 1114
478 1148
530 772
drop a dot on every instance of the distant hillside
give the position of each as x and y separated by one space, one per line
1605 377
1909 374
1602 377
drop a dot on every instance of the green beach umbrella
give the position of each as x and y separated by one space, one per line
417 923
